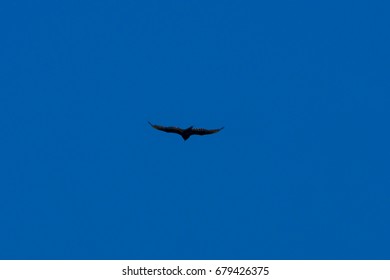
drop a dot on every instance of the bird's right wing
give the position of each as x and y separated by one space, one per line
169 129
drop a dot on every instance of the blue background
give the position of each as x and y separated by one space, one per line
301 170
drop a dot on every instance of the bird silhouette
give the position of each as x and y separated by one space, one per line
187 132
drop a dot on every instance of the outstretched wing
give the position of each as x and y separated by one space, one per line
202 131
169 129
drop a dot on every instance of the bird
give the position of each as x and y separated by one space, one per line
187 132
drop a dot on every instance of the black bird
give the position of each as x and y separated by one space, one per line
185 133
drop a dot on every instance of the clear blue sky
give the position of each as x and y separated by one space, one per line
301 170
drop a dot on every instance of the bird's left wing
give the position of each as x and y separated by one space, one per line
202 131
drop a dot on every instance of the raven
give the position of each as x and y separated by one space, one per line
185 133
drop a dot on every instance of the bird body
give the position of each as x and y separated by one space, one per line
187 132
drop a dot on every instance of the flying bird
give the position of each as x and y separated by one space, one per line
187 132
